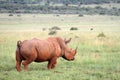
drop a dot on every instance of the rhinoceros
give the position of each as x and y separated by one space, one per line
39 50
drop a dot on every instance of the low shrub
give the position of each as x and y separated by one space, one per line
52 32
101 35
10 14
80 15
55 28
73 28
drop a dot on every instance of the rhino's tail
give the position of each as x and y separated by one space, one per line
19 43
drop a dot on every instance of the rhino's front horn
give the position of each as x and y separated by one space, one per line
76 50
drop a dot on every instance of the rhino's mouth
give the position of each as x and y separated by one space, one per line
73 59
68 59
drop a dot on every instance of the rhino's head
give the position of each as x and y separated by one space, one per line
69 54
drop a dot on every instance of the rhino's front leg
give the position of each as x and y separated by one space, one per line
52 63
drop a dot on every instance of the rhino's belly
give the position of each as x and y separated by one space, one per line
41 60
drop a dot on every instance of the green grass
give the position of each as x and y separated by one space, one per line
97 58
93 61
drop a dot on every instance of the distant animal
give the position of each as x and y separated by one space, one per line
38 50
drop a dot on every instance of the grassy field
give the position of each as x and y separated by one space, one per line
97 58
39 21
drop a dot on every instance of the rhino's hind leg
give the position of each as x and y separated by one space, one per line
53 65
25 63
18 65
18 61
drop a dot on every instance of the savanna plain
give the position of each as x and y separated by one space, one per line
98 56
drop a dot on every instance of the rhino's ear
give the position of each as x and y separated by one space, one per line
67 41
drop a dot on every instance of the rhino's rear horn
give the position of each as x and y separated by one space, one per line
67 41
